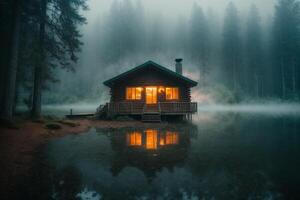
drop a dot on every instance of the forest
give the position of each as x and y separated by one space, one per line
48 56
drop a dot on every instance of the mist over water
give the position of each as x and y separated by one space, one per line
204 110
279 109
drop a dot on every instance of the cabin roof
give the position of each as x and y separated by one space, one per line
150 63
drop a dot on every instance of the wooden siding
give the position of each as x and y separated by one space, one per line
149 78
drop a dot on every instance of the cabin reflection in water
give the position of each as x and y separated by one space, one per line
150 150
152 139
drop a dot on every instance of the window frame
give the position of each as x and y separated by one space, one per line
133 93
172 93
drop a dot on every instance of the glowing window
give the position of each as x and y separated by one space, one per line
151 95
172 93
151 139
134 139
134 93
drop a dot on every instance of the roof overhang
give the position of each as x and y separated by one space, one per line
189 82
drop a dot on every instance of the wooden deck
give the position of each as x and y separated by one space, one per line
80 115
140 108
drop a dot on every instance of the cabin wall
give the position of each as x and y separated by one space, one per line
119 94
149 78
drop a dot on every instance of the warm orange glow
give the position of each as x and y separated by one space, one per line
161 89
151 139
151 95
161 141
172 93
171 138
134 93
134 139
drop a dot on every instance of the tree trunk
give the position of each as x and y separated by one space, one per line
294 78
40 64
283 89
235 74
262 88
256 85
11 72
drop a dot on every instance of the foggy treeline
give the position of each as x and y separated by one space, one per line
238 55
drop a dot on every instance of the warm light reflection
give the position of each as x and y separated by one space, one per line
161 89
151 139
161 141
171 138
134 139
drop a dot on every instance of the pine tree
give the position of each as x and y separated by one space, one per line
232 48
58 42
286 47
11 70
5 32
199 41
254 54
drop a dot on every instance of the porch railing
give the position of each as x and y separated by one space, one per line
163 107
178 107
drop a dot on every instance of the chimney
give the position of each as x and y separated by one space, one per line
178 65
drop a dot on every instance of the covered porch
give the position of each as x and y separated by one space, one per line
140 108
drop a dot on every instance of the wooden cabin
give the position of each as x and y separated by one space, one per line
151 92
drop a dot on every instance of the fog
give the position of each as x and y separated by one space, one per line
205 112
172 9
120 35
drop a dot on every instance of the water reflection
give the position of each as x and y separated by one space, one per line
226 157
152 139
150 150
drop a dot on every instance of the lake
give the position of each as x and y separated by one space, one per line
220 155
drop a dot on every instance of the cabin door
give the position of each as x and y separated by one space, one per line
151 95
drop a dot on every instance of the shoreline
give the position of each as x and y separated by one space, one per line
18 147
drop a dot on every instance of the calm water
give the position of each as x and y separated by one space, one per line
219 156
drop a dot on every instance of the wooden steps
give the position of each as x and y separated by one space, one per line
151 113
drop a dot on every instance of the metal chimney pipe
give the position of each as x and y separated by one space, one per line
178 65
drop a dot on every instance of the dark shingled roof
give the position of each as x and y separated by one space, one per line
157 66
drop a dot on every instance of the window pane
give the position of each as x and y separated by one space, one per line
168 93
138 93
172 93
133 94
154 97
175 93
